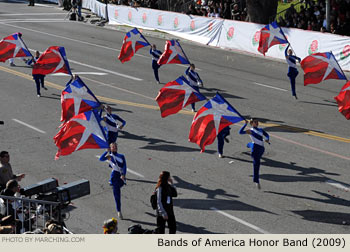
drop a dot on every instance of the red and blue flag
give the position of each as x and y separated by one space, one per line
53 60
13 46
321 66
82 131
343 100
133 41
77 98
215 115
176 95
271 35
173 54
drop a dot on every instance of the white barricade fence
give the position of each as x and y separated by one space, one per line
95 7
195 28
229 33
245 37
31 214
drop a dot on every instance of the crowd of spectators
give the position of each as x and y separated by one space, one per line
312 16
227 9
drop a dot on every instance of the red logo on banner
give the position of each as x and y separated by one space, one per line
144 17
313 48
176 22
116 14
345 53
230 33
160 20
256 38
130 15
210 26
192 25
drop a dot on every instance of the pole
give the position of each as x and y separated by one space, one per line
328 14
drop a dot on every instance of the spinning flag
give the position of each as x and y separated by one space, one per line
173 54
343 100
53 60
132 42
82 131
271 35
319 67
77 98
12 47
215 115
176 95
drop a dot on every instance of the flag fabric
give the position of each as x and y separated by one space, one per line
319 67
132 42
13 46
271 35
77 98
82 131
176 95
215 115
53 60
173 54
343 100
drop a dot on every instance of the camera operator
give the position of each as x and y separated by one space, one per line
77 4
6 170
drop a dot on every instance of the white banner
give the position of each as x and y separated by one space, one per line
199 29
245 36
96 7
230 34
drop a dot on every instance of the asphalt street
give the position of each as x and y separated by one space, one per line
305 176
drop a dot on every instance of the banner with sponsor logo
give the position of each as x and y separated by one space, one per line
199 29
230 34
245 37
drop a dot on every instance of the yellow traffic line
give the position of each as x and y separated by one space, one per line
186 112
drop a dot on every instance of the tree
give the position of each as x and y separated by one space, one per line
261 11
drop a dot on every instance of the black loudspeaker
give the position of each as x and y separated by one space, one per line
44 186
73 190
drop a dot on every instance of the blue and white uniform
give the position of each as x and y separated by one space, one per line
112 127
194 80
257 147
292 70
118 165
221 139
155 57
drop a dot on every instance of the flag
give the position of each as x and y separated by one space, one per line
173 54
77 98
319 67
215 115
13 46
82 131
176 95
53 60
132 42
343 100
271 35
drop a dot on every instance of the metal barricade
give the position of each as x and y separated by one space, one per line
30 214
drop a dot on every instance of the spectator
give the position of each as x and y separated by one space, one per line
6 170
110 226
236 12
166 191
